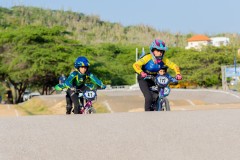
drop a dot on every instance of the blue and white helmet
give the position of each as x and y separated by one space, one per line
81 61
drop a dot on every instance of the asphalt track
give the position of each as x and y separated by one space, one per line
197 133
181 135
180 99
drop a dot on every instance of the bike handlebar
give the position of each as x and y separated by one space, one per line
173 80
149 77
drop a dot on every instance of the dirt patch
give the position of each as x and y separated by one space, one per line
59 108
137 110
9 110
51 106
35 106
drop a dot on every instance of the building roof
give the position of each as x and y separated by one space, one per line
199 38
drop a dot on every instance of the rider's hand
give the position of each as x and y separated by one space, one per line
178 77
72 89
143 74
103 86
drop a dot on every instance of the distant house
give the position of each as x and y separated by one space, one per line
198 41
219 41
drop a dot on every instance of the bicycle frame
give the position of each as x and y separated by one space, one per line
162 101
88 96
88 108
162 89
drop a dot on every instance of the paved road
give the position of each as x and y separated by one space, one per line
191 131
133 100
179 135
180 99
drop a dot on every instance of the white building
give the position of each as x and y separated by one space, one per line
198 41
219 41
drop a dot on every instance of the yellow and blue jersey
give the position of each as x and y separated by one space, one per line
146 64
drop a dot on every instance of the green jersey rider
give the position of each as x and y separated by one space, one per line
77 80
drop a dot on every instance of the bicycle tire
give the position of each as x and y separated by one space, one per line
165 105
90 110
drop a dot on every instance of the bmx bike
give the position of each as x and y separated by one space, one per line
87 97
160 91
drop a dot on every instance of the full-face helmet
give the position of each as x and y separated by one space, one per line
159 45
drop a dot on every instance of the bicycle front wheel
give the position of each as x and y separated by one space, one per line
90 110
163 105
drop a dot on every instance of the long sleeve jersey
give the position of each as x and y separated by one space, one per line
146 64
76 79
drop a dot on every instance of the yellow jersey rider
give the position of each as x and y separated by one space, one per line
150 64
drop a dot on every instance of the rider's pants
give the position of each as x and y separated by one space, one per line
144 87
72 97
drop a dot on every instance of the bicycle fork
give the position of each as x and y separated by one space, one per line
86 106
160 99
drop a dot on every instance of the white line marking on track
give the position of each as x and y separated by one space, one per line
16 112
191 102
205 90
234 95
108 107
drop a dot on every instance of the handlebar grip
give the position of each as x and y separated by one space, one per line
149 77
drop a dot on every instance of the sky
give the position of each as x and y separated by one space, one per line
175 16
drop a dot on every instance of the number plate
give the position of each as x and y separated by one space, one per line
162 80
89 94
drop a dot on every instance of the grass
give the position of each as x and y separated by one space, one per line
34 107
100 108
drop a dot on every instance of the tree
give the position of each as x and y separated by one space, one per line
34 56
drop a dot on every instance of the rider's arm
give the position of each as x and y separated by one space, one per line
69 81
59 87
172 79
171 65
67 84
96 81
137 66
